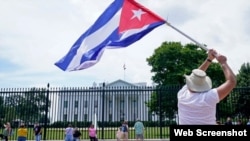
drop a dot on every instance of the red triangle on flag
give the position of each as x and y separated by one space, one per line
134 16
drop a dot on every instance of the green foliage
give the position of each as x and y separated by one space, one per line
243 81
227 107
27 106
243 78
164 102
172 60
237 104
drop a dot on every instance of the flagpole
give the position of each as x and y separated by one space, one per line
124 68
199 44
124 75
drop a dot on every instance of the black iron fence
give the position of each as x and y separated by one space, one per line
106 107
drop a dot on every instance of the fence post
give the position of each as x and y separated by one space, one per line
103 96
46 112
161 117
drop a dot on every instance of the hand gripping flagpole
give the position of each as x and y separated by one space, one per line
199 44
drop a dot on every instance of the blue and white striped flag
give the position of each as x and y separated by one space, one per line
121 24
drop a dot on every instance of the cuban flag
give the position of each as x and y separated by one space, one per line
120 25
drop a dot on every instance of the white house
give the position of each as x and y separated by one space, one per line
115 101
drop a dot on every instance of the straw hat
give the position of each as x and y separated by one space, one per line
198 81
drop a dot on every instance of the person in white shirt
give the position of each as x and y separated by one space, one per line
197 99
69 133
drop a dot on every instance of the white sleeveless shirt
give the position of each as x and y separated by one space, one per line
197 108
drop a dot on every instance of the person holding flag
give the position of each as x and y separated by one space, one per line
197 99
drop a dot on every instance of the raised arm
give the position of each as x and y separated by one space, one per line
230 83
210 57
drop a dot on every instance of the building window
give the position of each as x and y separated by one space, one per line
85 103
110 117
122 118
85 117
122 114
135 116
65 117
75 117
76 104
65 104
110 104
135 103
122 104
95 103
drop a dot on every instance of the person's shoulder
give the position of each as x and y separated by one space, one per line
183 89
211 91
214 92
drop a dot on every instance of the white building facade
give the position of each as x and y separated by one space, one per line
116 101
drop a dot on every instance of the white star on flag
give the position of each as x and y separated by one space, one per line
137 14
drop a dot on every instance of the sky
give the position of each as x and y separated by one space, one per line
34 34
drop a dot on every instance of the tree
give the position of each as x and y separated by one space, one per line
169 63
29 105
163 102
243 81
243 77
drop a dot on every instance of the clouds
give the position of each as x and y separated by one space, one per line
35 34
